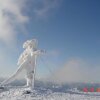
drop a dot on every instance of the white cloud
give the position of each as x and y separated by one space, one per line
76 70
11 16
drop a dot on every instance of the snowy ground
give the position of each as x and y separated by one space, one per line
44 94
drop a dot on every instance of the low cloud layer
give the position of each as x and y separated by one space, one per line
76 70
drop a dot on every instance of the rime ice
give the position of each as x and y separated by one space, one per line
27 62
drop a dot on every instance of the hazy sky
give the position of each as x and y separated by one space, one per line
69 30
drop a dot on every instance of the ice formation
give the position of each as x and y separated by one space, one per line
27 62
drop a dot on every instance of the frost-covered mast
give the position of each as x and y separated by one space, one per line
34 71
27 61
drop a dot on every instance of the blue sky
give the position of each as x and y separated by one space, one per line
67 29
73 29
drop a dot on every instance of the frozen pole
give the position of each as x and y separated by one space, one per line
27 62
39 52
34 73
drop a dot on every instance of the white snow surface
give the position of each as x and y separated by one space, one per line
18 94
